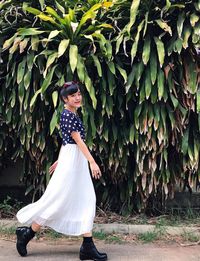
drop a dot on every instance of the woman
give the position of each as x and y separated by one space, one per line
69 202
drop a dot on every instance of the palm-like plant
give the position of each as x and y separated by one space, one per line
138 61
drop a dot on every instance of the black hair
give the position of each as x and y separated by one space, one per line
68 89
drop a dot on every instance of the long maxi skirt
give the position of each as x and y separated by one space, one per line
68 204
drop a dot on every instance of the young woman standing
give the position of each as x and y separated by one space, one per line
68 204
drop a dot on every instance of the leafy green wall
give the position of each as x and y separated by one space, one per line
138 62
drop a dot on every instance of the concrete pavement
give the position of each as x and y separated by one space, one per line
69 250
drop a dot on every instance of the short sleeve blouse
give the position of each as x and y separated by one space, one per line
70 122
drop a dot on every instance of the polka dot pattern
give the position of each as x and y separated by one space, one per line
70 122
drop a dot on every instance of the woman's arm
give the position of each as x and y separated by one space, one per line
53 167
96 172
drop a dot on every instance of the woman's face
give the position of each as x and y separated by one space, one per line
74 100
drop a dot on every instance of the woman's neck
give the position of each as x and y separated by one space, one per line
69 108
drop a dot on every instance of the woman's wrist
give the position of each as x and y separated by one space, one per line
91 161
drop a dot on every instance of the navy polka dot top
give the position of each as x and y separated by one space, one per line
69 122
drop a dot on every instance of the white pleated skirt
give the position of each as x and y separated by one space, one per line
68 204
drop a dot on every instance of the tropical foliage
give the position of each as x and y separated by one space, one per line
138 62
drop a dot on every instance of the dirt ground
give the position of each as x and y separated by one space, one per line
61 250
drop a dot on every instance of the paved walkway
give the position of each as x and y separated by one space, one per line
68 251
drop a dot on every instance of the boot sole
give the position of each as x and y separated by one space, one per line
86 257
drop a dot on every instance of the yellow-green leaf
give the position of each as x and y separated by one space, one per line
53 34
34 97
73 56
148 85
198 101
90 89
186 35
111 66
32 10
118 43
35 42
54 121
27 79
29 31
194 18
132 134
47 80
9 41
164 26
133 14
181 19
81 68
50 61
63 47
122 72
146 50
107 4
55 98
161 84
21 70
46 18
135 44
160 50
60 7
97 64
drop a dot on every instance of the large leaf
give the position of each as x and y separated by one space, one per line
97 64
181 19
48 79
73 57
164 26
161 84
136 40
50 61
153 66
30 31
133 14
146 50
198 101
81 68
122 72
21 70
160 50
63 47
54 122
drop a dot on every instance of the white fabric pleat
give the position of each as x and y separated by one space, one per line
69 202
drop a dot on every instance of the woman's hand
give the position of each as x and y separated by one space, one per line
96 172
53 167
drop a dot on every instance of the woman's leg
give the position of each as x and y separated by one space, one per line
88 249
35 227
24 235
87 234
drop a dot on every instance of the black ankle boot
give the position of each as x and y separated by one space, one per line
24 235
88 251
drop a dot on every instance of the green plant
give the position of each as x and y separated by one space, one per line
9 231
158 232
191 237
148 237
139 63
114 239
99 235
49 233
9 206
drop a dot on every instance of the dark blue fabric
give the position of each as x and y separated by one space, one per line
69 122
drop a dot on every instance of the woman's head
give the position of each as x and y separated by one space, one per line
70 94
